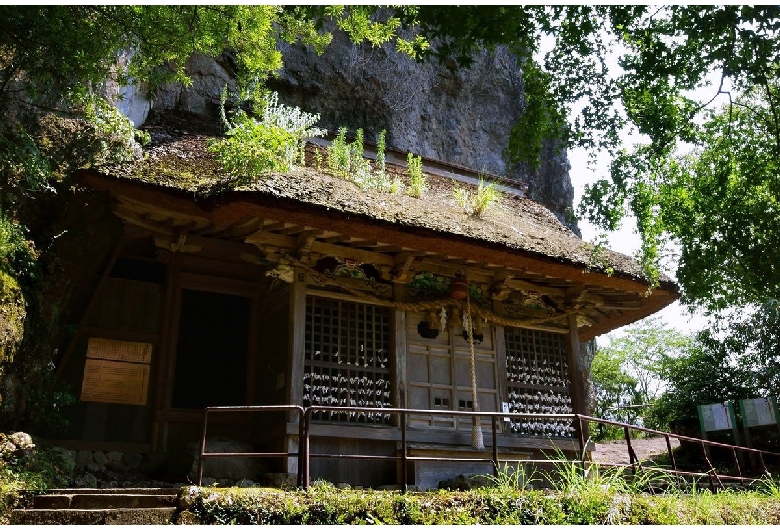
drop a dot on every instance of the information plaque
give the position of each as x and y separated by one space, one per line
119 350
716 417
115 382
758 411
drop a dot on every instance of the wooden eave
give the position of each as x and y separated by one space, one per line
258 220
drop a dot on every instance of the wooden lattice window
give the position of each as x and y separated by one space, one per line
347 359
538 380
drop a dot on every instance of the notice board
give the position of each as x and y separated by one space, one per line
116 372
758 411
716 417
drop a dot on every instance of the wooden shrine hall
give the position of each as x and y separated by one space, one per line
302 288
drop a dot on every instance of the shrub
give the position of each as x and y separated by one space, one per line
478 202
380 155
254 147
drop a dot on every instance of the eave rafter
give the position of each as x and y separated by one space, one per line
264 241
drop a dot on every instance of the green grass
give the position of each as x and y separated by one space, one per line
328 505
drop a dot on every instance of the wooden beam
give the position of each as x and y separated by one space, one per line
336 239
291 243
516 284
305 240
362 243
274 226
138 220
296 358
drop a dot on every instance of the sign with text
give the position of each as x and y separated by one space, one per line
716 417
119 350
115 382
758 411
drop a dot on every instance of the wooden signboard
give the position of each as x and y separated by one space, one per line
115 382
758 411
119 350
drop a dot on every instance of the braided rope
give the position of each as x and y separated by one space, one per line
476 429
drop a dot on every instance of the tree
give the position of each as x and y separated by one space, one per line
628 374
615 390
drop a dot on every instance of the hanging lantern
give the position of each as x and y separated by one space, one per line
459 287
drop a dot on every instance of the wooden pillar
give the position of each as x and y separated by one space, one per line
169 342
399 346
398 376
577 373
295 363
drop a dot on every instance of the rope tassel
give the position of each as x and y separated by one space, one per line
477 441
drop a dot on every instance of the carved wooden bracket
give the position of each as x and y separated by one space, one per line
403 265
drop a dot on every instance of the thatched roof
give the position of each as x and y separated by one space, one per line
177 164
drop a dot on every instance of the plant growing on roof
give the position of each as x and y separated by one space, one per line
356 150
380 155
254 147
417 181
339 154
476 203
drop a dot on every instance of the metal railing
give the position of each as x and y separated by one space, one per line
580 423
711 471
203 455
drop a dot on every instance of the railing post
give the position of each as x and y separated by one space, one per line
404 471
301 448
305 441
581 436
202 447
631 454
711 470
736 462
671 459
495 445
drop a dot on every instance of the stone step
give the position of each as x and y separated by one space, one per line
95 501
126 516
112 491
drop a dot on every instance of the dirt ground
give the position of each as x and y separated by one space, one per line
616 452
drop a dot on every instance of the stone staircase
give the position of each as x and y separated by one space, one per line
129 506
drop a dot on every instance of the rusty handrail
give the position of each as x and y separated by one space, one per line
711 472
579 421
251 408
404 458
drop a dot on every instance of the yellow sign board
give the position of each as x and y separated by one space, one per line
115 382
119 350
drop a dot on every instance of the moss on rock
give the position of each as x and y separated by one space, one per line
12 316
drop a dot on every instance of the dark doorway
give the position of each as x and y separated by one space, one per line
211 356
